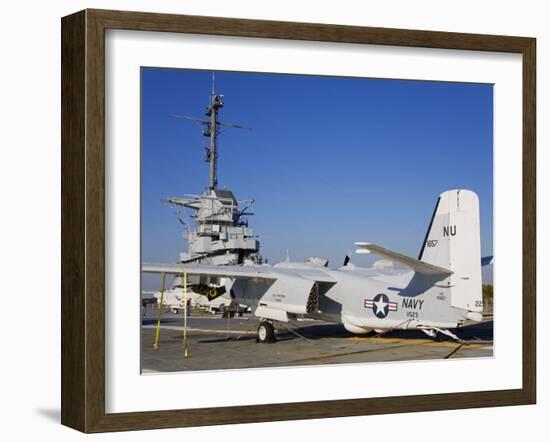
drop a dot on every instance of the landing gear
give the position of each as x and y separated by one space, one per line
266 332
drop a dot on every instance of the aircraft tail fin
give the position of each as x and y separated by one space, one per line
453 242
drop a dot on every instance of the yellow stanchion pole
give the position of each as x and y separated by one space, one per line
163 287
185 314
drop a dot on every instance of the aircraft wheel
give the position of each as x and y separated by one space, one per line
266 332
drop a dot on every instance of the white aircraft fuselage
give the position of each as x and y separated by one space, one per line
361 299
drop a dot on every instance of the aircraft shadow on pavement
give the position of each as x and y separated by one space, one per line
227 339
473 332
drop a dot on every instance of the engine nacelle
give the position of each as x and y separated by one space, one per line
293 295
356 330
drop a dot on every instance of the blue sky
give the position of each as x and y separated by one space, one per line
329 160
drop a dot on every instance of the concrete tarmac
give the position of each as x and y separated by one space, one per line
216 343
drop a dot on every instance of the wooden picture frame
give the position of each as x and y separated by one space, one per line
83 220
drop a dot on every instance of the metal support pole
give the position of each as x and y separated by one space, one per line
163 287
185 314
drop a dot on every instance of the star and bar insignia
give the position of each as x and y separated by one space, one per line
381 305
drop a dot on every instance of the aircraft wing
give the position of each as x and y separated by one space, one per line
225 271
276 291
239 271
416 265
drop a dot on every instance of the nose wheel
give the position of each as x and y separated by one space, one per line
266 332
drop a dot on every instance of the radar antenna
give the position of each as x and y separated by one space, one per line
212 130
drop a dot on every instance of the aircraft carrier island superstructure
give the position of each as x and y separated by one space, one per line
220 234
